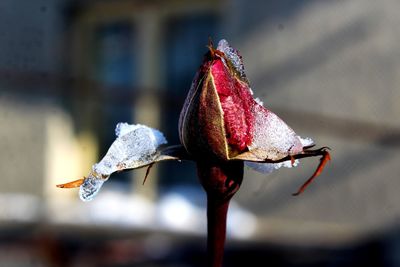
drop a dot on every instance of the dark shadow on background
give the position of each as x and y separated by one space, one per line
274 13
313 56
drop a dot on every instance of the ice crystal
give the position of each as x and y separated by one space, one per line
135 146
306 142
259 101
233 56
90 187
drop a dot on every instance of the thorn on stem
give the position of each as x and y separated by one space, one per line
147 172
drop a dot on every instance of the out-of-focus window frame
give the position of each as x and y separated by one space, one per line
149 85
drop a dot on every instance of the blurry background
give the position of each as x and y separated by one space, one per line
70 70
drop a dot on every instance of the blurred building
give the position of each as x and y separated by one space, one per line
71 70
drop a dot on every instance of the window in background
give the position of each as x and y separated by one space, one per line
114 65
113 59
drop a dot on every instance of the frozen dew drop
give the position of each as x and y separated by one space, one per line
90 187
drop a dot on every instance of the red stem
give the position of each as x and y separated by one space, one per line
216 230
221 180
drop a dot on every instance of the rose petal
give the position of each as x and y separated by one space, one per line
273 138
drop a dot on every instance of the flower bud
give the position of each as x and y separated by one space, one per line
221 119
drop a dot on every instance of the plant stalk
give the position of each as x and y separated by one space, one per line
216 230
221 180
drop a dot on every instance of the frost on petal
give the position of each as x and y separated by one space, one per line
306 142
124 128
135 146
273 139
259 101
233 56
267 168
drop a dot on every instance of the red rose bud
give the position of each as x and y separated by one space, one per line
221 119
